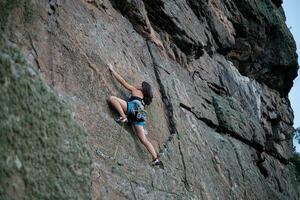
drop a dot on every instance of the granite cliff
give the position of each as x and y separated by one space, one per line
221 120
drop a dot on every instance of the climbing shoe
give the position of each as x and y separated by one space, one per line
121 120
157 162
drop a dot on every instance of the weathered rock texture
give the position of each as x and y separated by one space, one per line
220 117
44 153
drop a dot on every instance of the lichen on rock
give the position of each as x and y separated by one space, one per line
44 154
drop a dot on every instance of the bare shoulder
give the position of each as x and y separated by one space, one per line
137 92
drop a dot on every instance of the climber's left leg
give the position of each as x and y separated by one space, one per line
139 130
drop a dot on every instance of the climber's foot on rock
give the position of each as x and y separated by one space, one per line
121 120
157 162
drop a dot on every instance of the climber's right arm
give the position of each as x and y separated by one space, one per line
120 79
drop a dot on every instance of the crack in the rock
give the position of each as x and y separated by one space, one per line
205 120
149 187
185 180
130 183
220 90
219 129
234 135
258 147
51 27
166 100
161 190
259 163
169 112
165 191
35 51
132 190
163 69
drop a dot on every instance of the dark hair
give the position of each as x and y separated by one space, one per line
147 92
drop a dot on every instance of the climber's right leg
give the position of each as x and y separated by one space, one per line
119 104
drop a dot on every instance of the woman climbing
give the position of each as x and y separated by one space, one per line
133 110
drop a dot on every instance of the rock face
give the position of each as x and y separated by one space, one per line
220 117
44 153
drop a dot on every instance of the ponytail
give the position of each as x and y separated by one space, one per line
147 92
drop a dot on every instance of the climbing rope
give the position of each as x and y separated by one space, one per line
115 156
118 141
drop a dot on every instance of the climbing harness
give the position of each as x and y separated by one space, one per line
136 112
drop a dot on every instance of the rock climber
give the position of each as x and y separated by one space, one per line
133 110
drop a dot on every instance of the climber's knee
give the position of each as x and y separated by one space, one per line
110 99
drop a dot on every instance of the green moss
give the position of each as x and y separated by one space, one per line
5 7
41 145
29 10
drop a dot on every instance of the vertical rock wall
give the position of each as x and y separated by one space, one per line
220 116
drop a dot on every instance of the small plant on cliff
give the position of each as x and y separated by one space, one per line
296 161
297 134
296 156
